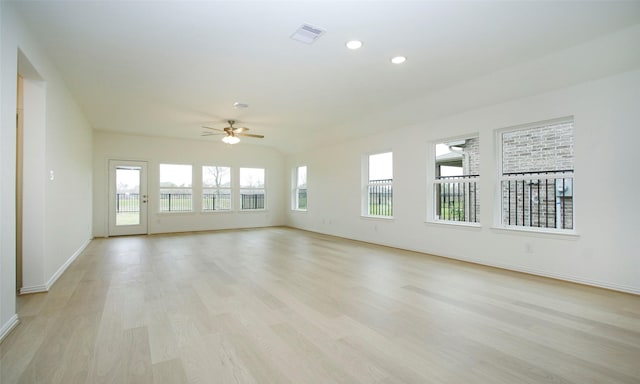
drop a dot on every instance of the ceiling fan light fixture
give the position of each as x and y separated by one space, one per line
230 133
230 140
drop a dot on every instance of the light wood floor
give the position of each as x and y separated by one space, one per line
279 305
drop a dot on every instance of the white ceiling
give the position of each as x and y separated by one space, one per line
166 68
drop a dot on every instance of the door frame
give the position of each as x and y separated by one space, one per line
19 179
112 228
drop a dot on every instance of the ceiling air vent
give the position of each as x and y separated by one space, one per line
307 34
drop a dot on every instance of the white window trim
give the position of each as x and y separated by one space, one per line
432 182
498 223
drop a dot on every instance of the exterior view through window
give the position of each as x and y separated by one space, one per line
379 191
457 177
176 194
536 180
300 192
252 191
216 188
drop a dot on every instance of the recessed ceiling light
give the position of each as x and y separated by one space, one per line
354 44
398 60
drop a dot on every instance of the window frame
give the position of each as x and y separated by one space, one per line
229 189
263 189
295 193
367 185
499 216
433 181
160 188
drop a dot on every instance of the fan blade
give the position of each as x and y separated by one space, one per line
211 134
250 135
215 129
240 129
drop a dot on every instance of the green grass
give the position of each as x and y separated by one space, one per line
127 218
380 210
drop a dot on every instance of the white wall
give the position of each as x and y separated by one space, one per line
157 150
605 251
66 142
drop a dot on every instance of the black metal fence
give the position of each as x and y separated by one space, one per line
252 201
127 202
176 202
216 201
457 198
538 199
380 197
180 202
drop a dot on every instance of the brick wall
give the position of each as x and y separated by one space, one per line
546 148
538 201
472 150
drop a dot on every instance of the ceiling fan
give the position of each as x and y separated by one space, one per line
230 133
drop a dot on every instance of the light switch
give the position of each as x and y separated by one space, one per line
51 175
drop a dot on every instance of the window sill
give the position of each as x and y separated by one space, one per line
299 210
377 217
217 211
544 232
462 224
252 210
176 212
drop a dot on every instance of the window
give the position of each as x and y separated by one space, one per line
536 177
252 192
216 188
300 190
379 185
457 177
176 194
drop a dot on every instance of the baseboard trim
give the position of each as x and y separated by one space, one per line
530 271
46 287
555 276
33 289
66 265
8 327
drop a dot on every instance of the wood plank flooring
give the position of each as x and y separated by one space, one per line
278 305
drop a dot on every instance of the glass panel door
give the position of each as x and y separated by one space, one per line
127 198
